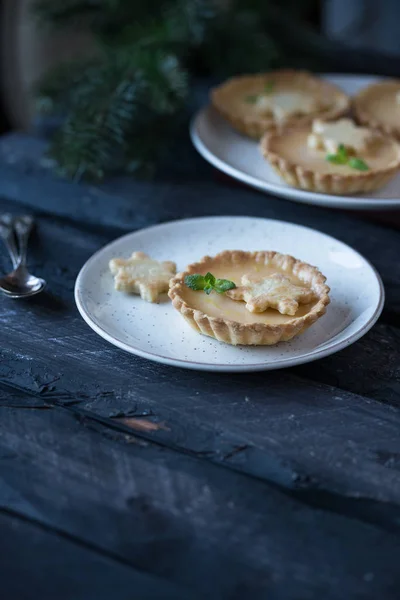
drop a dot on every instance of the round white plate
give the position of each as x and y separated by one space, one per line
158 332
240 158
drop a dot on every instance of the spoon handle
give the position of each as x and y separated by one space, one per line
7 235
23 227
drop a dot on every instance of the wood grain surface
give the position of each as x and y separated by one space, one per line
127 479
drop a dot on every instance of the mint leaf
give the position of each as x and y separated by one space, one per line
207 283
251 99
342 152
195 282
342 158
268 87
210 279
359 164
223 285
336 159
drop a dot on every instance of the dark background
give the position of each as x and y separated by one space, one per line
366 33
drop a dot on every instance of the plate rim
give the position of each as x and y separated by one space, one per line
223 367
288 192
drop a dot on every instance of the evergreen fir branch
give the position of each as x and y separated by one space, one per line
122 103
91 141
164 82
59 89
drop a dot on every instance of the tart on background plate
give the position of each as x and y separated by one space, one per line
378 106
256 104
228 319
332 157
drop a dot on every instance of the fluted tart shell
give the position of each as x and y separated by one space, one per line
261 329
288 154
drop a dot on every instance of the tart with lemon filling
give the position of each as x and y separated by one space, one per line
289 296
332 157
255 104
378 106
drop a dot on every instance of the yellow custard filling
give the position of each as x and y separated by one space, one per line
294 148
220 305
381 101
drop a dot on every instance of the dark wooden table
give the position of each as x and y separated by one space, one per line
125 479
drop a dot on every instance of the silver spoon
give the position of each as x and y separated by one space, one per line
19 283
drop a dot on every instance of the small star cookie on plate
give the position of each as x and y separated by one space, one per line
274 291
142 275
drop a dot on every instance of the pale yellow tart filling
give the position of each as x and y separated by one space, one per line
282 105
255 104
378 106
221 305
302 156
229 320
295 148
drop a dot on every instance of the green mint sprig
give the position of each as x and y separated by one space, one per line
268 87
207 283
358 163
342 158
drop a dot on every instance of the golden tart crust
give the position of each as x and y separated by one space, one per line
378 107
288 154
229 100
257 330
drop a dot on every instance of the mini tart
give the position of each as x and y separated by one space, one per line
302 167
229 99
228 320
378 107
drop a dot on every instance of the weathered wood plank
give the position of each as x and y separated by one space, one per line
59 249
371 367
294 431
36 562
185 520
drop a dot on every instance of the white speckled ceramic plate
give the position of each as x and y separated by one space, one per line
240 158
158 332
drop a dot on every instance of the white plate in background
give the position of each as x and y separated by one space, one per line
240 157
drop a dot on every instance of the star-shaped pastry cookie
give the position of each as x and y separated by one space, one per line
142 275
273 291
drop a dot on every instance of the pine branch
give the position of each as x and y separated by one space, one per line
124 100
121 103
61 88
